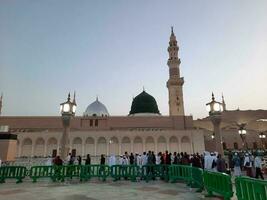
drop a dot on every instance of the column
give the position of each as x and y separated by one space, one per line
144 146
168 145
83 148
179 144
120 147
132 147
216 120
107 147
156 147
32 151
45 148
95 147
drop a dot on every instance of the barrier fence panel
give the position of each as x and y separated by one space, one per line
12 172
152 172
125 171
197 178
180 172
68 171
250 189
37 172
219 183
90 171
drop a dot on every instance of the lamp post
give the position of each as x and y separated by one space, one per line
215 114
67 110
242 132
262 136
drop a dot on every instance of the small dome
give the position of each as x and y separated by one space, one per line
144 104
96 109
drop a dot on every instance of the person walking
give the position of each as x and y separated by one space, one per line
79 159
258 166
131 159
88 160
58 161
248 165
220 163
236 161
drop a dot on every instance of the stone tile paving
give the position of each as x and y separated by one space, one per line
97 190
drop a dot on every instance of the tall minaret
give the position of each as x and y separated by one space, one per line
223 103
175 82
1 103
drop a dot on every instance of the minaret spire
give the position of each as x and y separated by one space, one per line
223 103
212 96
1 103
175 82
74 98
69 96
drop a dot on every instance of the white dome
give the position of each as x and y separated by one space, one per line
96 109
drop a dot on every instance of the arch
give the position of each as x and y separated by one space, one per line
27 141
51 145
77 140
138 145
39 147
125 140
52 141
40 141
77 145
26 149
173 144
101 146
125 145
150 144
162 144
114 146
185 144
90 146
185 139
90 140
138 140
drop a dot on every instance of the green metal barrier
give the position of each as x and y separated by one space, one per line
250 189
219 183
90 171
37 172
55 172
152 172
12 172
68 171
197 179
180 172
125 171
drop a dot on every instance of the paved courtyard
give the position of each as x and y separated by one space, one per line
97 190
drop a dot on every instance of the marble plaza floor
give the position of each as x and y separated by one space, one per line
97 190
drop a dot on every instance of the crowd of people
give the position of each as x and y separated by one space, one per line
208 161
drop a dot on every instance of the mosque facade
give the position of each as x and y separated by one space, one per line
96 132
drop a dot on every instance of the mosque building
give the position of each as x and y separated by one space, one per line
97 132
143 129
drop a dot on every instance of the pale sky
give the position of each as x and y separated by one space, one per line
114 48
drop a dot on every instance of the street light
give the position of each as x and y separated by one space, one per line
242 132
67 110
262 136
215 110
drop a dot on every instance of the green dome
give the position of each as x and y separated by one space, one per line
144 103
